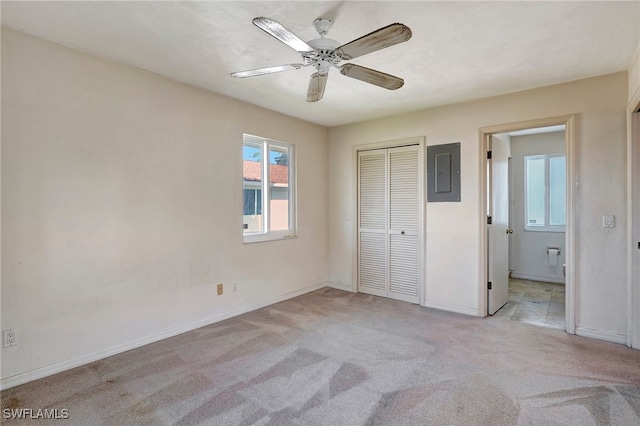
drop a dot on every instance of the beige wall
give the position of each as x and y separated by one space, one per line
634 77
122 207
452 255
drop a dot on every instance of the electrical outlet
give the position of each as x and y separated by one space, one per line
9 337
220 289
235 287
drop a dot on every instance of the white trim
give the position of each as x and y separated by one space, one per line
59 367
269 236
602 335
569 236
451 308
633 215
340 286
536 277
570 260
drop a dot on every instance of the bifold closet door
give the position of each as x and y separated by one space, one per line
404 217
372 222
389 197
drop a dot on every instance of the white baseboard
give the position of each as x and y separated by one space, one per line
535 277
602 335
340 286
59 367
451 308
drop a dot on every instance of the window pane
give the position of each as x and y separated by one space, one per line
535 190
251 187
279 188
252 202
557 191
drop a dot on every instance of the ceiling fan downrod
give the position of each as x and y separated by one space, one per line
322 26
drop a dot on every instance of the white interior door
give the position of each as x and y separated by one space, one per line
389 216
635 229
498 232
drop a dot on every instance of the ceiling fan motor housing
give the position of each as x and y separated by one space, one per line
325 54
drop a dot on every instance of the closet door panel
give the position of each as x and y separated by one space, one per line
404 218
372 221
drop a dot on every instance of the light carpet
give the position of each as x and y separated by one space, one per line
336 358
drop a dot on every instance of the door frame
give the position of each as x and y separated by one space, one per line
483 134
421 142
633 223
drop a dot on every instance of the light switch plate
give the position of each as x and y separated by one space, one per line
608 221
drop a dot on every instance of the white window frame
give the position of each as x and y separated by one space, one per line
266 234
546 227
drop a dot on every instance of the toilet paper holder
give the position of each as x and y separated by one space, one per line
553 248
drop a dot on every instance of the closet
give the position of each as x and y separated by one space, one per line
390 206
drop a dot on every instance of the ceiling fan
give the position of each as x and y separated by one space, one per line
323 53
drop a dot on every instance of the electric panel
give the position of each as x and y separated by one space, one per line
443 172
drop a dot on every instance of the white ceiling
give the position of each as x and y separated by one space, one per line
459 50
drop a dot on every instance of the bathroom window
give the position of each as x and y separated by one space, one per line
268 196
545 192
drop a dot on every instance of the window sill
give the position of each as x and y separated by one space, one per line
544 229
273 236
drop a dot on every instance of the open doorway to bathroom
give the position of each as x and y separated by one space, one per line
537 220
533 236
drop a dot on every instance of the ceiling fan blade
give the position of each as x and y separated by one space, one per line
267 70
316 87
278 31
379 39
368 75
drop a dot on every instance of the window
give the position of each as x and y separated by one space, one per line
545 192
268 203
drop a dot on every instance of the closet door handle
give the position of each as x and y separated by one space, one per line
402 232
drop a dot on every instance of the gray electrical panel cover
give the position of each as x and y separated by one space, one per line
443 172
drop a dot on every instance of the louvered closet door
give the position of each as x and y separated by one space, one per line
372 220
389 199
404 218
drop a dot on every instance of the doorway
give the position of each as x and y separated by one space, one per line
528 234
390 213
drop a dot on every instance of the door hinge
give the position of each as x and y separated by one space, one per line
489 286
488 155
489 220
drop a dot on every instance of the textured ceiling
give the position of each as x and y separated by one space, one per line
459 50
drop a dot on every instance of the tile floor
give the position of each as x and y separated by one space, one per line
534 302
